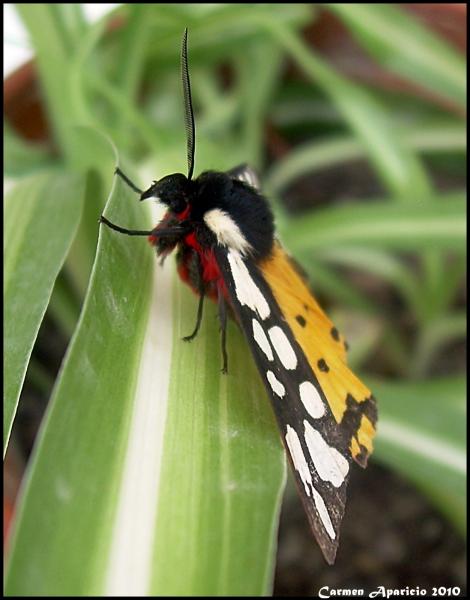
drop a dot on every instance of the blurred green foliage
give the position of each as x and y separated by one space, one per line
394 263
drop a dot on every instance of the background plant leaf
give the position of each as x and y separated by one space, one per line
22 157
398 167
41 217
435 224
318 155
405 46
421 433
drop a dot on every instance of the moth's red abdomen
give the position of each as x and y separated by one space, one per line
196 262
190 240
211 270
182 216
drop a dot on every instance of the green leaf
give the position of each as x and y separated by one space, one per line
262 65
437 333
406 47
133 48
219 32
222 453
317 155
98 157
421 432
327 280
150 462
22 157
41 217
64 305
438 223
52 48
73 468
381 264
398 166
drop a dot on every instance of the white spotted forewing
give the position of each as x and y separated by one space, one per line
319 449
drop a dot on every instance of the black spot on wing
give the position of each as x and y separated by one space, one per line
301 320
335 334
323 366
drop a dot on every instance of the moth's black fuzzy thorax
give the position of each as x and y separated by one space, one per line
248 209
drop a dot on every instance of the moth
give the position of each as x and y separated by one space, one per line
222 229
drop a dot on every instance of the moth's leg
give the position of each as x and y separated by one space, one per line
223 327
202 292
108 223
124 177
188 338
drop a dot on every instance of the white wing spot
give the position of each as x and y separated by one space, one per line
329 463
275 384
323 512
298 458
262 340
311 399
283 347
226 230
301 465
246 289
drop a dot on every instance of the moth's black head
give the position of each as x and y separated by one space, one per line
172 190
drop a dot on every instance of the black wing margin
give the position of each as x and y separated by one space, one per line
316 446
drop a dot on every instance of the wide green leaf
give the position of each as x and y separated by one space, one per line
83 433
222 453
151 463
41 217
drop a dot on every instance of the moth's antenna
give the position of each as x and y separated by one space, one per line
188 106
